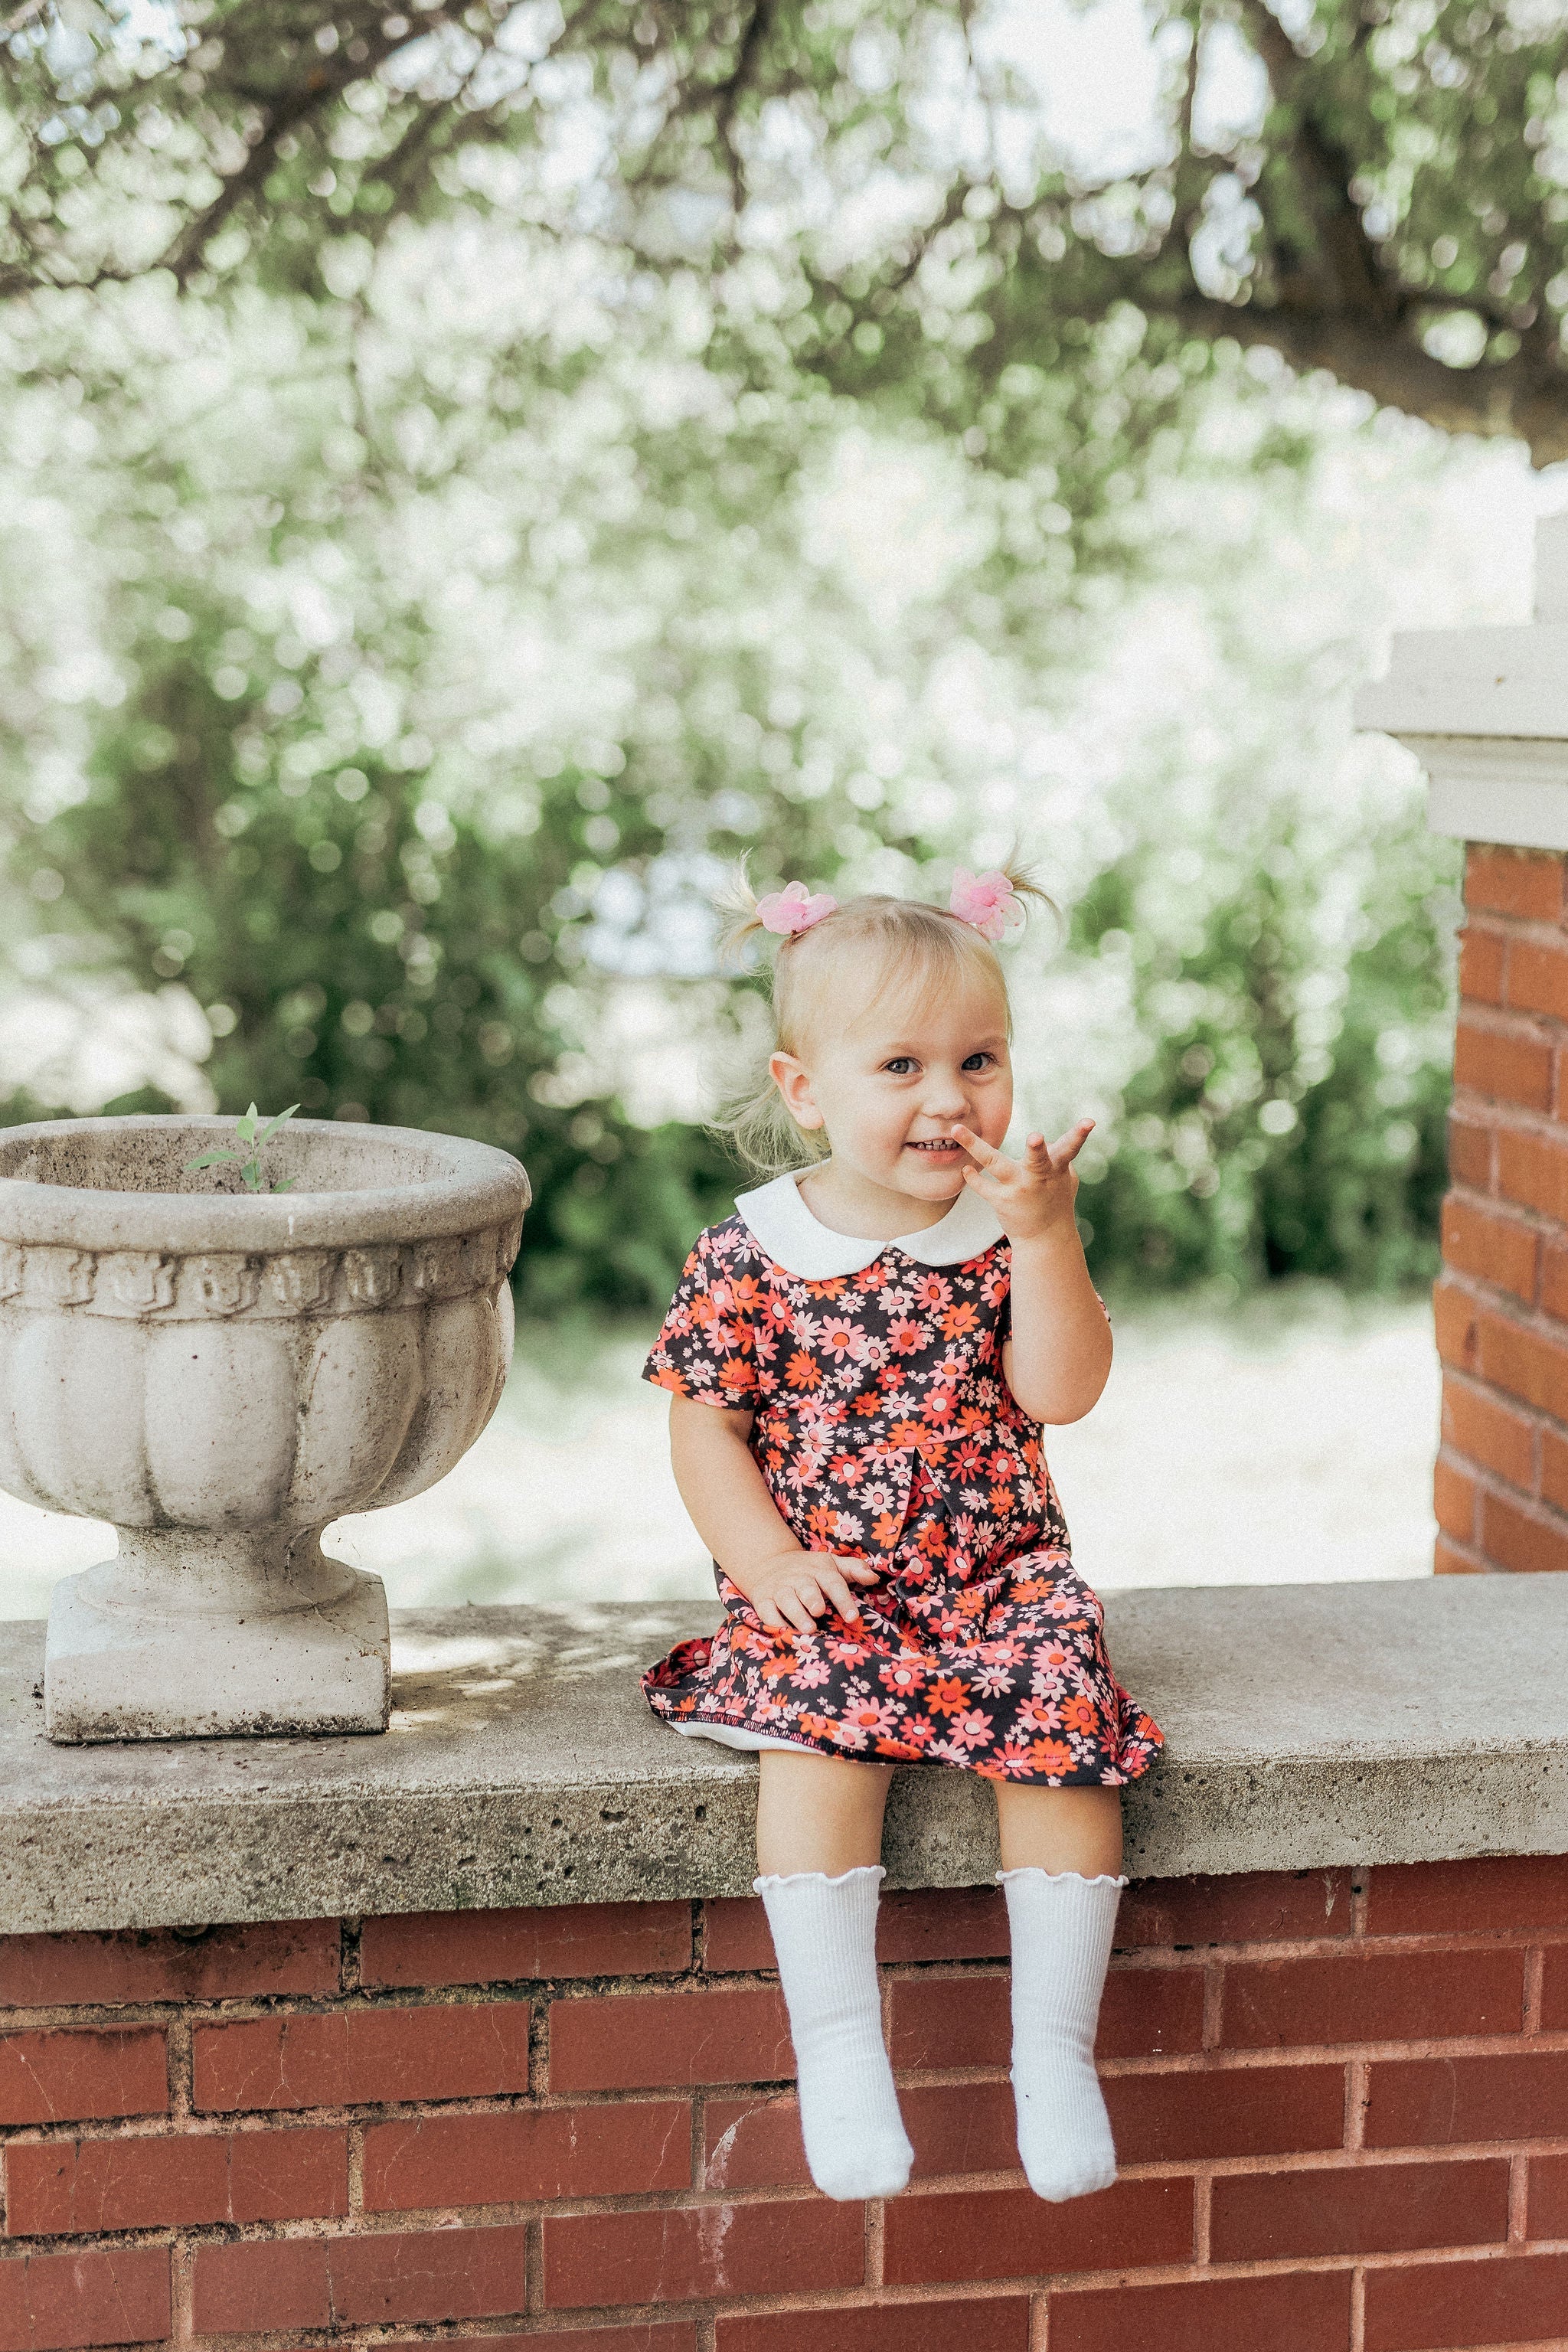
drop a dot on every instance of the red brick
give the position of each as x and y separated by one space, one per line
1459 2102
314 2282
50 2078
996 2324
64 2302
1458 1326
519 2156
1506 1065
1554 1989
1256 1908
1226 2111
1499 1249
1502 1893
955 2128
679 2256
640 2336
942 2021
1480 1427
291 1955
1537 972
1513 882
573 1939
1454 1500
353 2057
1554 1469
1463 2306
1533 1169
1371 1996
957 1923
1555 1281
1308 2313
1363 2208
1002 2233
57 2187
1523 1361
1483 955
1447 1561
644 2041
1549 2195
1470 1137
1527 1542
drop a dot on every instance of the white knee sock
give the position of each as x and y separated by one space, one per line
1061 1930
825 1935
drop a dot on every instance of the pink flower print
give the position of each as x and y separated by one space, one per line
991 1681
931 1290
838 1337
971 1730
875 1717
1013 1757
919 1731
813 1672
1039 1713
905 1676
906 1339
848 1735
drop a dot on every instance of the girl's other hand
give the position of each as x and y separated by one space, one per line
796 1588
1032 1196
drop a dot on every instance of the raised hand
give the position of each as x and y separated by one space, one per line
1033 1196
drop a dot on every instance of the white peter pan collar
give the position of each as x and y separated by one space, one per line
803 1245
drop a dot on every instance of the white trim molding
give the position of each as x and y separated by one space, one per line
1484 711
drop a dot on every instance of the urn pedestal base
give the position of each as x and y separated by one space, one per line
130 1670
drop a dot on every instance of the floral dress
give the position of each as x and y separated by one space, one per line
884 1429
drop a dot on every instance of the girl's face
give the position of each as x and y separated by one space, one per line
890 1087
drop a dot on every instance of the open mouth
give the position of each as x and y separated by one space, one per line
939 1146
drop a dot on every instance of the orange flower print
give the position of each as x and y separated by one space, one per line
883 1429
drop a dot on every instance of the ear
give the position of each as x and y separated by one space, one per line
794 1082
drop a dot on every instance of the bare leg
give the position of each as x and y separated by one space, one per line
1060 1829
819 1834
818 1813
1061 1854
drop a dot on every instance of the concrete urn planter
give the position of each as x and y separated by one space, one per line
219 1373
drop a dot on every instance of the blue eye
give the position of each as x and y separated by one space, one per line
899 1065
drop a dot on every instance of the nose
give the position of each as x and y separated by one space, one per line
945 1098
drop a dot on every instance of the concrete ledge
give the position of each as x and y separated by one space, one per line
1307 1726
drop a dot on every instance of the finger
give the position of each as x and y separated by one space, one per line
808 1593
843 1599
857 1567
769 1615
1065 1151
976 1145
796 1610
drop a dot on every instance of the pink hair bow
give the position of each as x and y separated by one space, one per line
986 900
794 909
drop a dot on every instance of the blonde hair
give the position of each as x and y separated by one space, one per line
917 944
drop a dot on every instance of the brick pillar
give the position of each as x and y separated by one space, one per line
1501 1483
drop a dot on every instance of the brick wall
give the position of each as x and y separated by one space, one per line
1342 2108
1501 1487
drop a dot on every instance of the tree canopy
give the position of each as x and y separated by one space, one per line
1375 187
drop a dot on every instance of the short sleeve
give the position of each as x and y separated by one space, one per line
708 1346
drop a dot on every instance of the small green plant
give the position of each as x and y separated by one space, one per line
250 1169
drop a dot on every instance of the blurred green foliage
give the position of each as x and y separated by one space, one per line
1375 186
404 628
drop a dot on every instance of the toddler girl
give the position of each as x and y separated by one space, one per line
859 1359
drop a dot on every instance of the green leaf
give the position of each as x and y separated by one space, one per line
287 1185
208 1160
245 1127
270 1130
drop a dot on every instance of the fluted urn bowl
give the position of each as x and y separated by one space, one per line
220 1374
